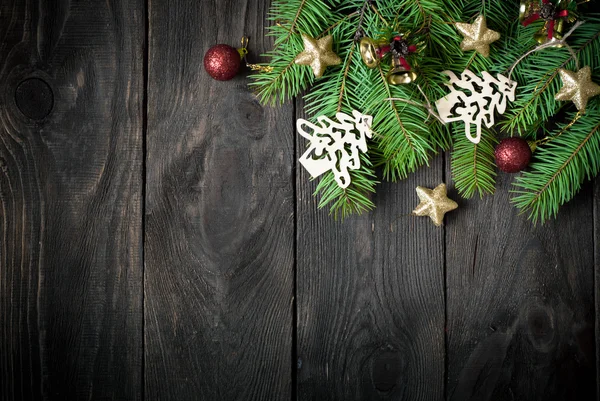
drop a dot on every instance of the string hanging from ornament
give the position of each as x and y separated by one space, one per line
427 106
561 42
547 139
244 54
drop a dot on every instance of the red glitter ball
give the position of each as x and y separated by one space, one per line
222 62
512 155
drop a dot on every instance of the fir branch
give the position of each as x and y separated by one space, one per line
535 102
560 167
285 80
402 154
354 199
561 42
293 25
473 164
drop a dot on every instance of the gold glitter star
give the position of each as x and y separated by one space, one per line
477 36
434 203
318 54
577 87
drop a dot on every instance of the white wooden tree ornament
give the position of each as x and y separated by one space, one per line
475 100
335 145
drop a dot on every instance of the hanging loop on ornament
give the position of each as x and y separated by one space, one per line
244 53
244 49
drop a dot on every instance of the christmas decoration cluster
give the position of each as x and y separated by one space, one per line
388 84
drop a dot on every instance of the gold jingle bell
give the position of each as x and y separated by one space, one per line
399 74
528 11
541 36
528 8
370 51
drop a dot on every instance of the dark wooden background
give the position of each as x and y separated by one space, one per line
158 240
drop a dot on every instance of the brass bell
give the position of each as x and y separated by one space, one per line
528 8
532 10
399 74
371 51
541 36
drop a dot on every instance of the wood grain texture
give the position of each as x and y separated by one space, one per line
596 185
71 87
520 302
220 215
370 296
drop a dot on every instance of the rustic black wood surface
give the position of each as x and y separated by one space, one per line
159 242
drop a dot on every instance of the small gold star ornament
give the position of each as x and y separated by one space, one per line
318 54
477 36
434 203
577 87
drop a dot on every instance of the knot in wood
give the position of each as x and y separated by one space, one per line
34 98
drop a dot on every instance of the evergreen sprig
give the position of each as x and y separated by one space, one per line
539 79
285 79
561 166
473 168
405 135
405 132
472 165
533 113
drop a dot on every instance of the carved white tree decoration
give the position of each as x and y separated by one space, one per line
335 145
475 100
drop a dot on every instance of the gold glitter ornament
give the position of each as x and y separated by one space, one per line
434 203
577 87
318 54
477 36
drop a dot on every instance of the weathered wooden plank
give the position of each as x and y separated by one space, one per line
71 117
596 214
520 302
370 294
220 215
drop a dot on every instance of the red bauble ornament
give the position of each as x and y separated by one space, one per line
222 62
512 155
